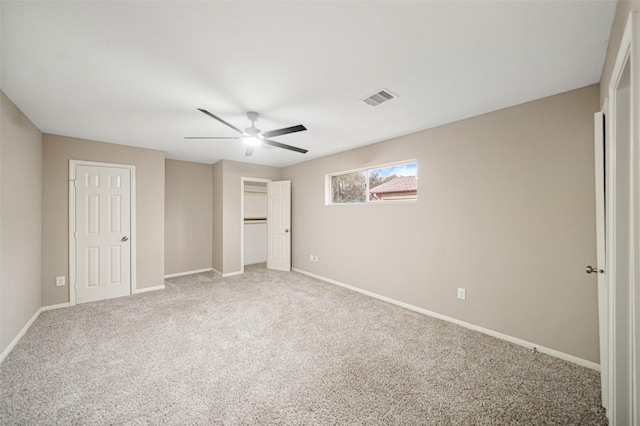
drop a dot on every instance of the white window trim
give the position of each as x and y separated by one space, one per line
327 184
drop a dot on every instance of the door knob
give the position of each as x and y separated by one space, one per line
591 270
286 230
125 238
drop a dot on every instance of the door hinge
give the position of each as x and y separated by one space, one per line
75 235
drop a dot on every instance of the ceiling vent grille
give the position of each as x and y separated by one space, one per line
379 97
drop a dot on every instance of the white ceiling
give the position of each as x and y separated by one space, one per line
134 73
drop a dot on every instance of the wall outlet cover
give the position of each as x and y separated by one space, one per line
462 294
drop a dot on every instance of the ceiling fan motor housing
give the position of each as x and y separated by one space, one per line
253 131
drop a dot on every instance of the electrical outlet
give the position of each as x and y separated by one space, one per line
310 258
60 281
462 294
315 259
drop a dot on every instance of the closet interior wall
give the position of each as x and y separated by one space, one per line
255 222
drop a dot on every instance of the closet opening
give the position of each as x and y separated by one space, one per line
253 210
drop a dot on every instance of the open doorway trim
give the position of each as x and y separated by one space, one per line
244 180
623 205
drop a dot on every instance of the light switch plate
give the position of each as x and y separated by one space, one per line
462 294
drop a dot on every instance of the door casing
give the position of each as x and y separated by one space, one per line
623 229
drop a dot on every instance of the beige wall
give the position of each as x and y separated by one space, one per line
226 230
216 218
20 220
58 150
505 210
622 14
187 216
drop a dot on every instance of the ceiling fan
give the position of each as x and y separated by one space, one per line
252 136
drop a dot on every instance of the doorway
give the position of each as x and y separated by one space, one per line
101 231
265 233
253 210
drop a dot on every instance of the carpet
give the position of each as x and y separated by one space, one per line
270 347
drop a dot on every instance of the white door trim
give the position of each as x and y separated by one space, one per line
242 182
622 405
72 222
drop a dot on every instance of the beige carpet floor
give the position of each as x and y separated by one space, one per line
278 348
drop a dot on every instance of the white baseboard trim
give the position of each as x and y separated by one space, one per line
146 289
564 356
229 274
16 339
180 274
35 316
52 307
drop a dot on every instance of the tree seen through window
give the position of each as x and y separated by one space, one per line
395 182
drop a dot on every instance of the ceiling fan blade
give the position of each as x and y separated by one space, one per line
281 145
286 130
220 120
211 137
249 151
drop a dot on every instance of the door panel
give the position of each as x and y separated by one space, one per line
103 219
279 225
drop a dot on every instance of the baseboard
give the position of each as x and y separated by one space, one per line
52 307
230 274
515 340
146 289
180 274
511 339
35 316
16 339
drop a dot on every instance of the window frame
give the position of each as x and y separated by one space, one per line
329 190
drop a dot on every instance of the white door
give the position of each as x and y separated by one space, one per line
279 225
599 149
102 232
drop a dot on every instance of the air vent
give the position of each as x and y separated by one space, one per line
378 98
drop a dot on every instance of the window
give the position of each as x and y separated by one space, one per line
394 182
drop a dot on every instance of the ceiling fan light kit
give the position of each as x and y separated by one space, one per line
251 140
252 136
